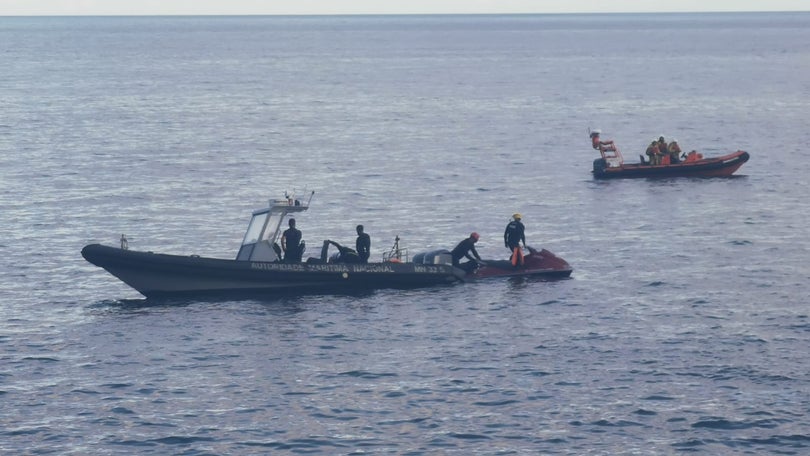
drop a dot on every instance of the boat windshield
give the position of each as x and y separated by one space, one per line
255 228
273 222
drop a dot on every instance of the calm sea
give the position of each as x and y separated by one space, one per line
684 328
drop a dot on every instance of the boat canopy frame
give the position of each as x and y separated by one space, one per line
260 242
612 156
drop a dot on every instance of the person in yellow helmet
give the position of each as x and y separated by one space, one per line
513 236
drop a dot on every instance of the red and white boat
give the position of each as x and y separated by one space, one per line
612 165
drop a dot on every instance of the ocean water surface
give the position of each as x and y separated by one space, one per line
683 329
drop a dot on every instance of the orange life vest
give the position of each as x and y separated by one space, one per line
517 257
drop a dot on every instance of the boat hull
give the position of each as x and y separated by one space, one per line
162 275
722 166
536 263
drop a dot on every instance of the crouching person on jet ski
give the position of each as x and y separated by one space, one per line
462 250
344 255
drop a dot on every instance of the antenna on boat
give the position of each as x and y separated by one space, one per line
293 201
396 253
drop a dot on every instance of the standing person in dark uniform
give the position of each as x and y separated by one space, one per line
513 236
463 249
363 244
291 243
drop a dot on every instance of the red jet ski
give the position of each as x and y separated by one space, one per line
536 263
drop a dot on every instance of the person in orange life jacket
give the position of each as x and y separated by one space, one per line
654 153
598 144
662 146
674 151
462 250
514 234
291 243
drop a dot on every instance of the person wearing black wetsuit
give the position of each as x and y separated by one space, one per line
345 254
363 244
291 243
513 236
464 249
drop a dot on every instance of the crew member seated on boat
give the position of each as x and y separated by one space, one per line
363 244
291 243
653 153
463 250
693 156
674 151
344 255
600 145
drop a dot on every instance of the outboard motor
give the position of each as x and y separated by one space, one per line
434 257
599 165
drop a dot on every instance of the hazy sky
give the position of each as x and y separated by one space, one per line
169 7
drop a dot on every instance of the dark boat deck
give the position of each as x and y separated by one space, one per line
161 275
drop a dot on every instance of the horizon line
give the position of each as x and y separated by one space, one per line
554 13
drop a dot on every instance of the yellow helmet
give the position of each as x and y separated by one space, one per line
517 216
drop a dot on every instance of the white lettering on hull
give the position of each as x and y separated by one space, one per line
342 268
